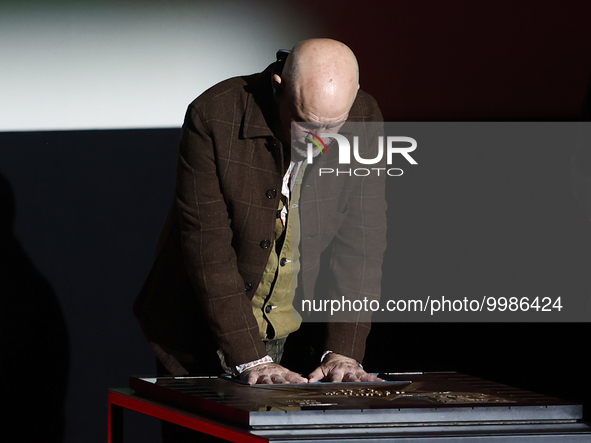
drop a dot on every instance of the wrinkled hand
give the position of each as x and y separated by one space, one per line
338 368
271 373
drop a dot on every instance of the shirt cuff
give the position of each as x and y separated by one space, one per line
330 352
237 370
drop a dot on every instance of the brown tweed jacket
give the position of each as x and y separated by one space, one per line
215 241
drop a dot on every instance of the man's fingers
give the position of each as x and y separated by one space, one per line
350 377
282 378
339 368
345 374
371 377
278 379
316 375
270 374
336 376
292 377
252 378
265 380
367 377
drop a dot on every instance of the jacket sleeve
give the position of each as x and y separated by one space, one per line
357 268
357 255
206 239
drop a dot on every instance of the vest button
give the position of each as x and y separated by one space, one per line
283 261
271 193
268 308
265 244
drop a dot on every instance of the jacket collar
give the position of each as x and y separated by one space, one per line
260 116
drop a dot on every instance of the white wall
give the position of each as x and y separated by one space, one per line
130 64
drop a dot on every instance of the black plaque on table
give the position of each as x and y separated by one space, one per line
403 399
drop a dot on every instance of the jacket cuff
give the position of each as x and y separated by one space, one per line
347 339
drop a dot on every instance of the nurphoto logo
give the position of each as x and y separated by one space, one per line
394 145
318 142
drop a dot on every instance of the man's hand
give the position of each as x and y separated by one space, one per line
271 373
338 368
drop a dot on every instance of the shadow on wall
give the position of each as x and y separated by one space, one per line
33 341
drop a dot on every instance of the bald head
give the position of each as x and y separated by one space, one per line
319 82
322 69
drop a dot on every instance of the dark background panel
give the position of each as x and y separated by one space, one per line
89 206
488 210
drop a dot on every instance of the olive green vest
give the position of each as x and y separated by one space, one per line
272 302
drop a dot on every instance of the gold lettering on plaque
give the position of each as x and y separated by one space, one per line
360 392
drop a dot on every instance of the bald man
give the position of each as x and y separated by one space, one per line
218 296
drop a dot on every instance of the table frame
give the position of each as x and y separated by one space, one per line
120 399
123 398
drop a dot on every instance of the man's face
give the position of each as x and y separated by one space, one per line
302 116
303 134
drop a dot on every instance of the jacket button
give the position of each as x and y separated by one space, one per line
248 287
268 308
283 261
265 244
271 193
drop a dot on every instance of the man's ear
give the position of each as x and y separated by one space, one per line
276 83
